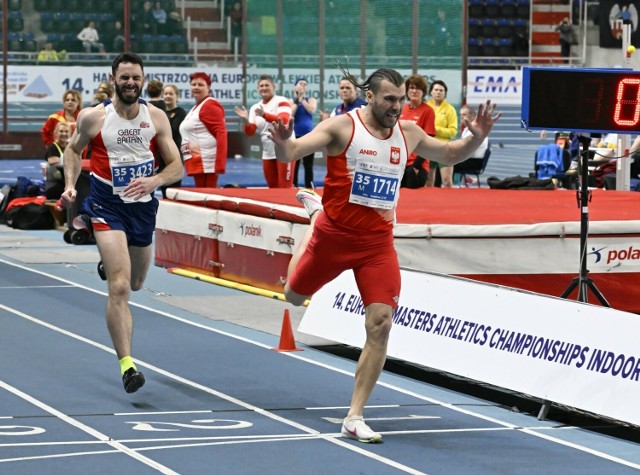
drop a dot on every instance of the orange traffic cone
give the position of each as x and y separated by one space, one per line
286 335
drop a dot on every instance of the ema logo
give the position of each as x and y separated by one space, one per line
249 230
613 255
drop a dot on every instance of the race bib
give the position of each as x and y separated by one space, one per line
122 173
375 185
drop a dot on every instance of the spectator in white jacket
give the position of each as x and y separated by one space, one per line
90 38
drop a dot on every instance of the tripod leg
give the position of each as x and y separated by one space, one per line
597 293
583 291
572 285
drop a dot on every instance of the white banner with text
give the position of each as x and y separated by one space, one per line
563 351
47 84
502 86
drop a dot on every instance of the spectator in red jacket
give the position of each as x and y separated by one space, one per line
204 135
72 102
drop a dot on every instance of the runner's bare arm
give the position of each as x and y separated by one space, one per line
88 125
331 135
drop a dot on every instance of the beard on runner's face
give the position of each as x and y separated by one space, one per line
128 89
386 116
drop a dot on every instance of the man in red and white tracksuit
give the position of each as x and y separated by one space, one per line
258 120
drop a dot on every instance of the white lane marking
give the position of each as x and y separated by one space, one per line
226 397
333 408
36 287
85 428
422 397
219 441
162 413
201 424
337 420
20 430
231 438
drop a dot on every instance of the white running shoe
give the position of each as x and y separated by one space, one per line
311 200
354 427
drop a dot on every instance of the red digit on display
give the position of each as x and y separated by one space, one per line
624 103
590 107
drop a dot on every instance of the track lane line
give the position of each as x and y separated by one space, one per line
169 375
422 397
89 430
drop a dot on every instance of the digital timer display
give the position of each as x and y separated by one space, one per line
581 100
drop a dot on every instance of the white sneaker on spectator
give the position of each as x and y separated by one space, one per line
311 201
354 427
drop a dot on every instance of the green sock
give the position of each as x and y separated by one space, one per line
126 363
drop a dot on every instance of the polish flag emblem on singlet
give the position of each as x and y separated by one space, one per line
395 156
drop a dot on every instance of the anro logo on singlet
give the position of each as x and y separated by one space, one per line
395 156
364 151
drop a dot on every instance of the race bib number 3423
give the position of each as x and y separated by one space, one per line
122 174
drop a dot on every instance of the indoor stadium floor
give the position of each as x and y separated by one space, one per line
218 399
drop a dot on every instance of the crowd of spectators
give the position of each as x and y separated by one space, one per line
69 31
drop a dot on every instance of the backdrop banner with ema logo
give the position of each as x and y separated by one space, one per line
563 351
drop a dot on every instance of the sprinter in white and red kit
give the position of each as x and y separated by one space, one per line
124 135
352 223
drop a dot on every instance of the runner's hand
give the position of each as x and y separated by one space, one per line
68 196
140 187
279 133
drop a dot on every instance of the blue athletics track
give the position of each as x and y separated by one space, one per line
220 400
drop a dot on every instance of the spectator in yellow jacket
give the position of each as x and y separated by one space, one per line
446 129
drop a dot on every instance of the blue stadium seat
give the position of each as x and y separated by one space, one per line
521 27
505 28
508 9
475 29
47 23
492 8
489 47
15 45
15 21
180 45
163 46
61 16
505 47
523 8
489 27
473 47
476 9
29 46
